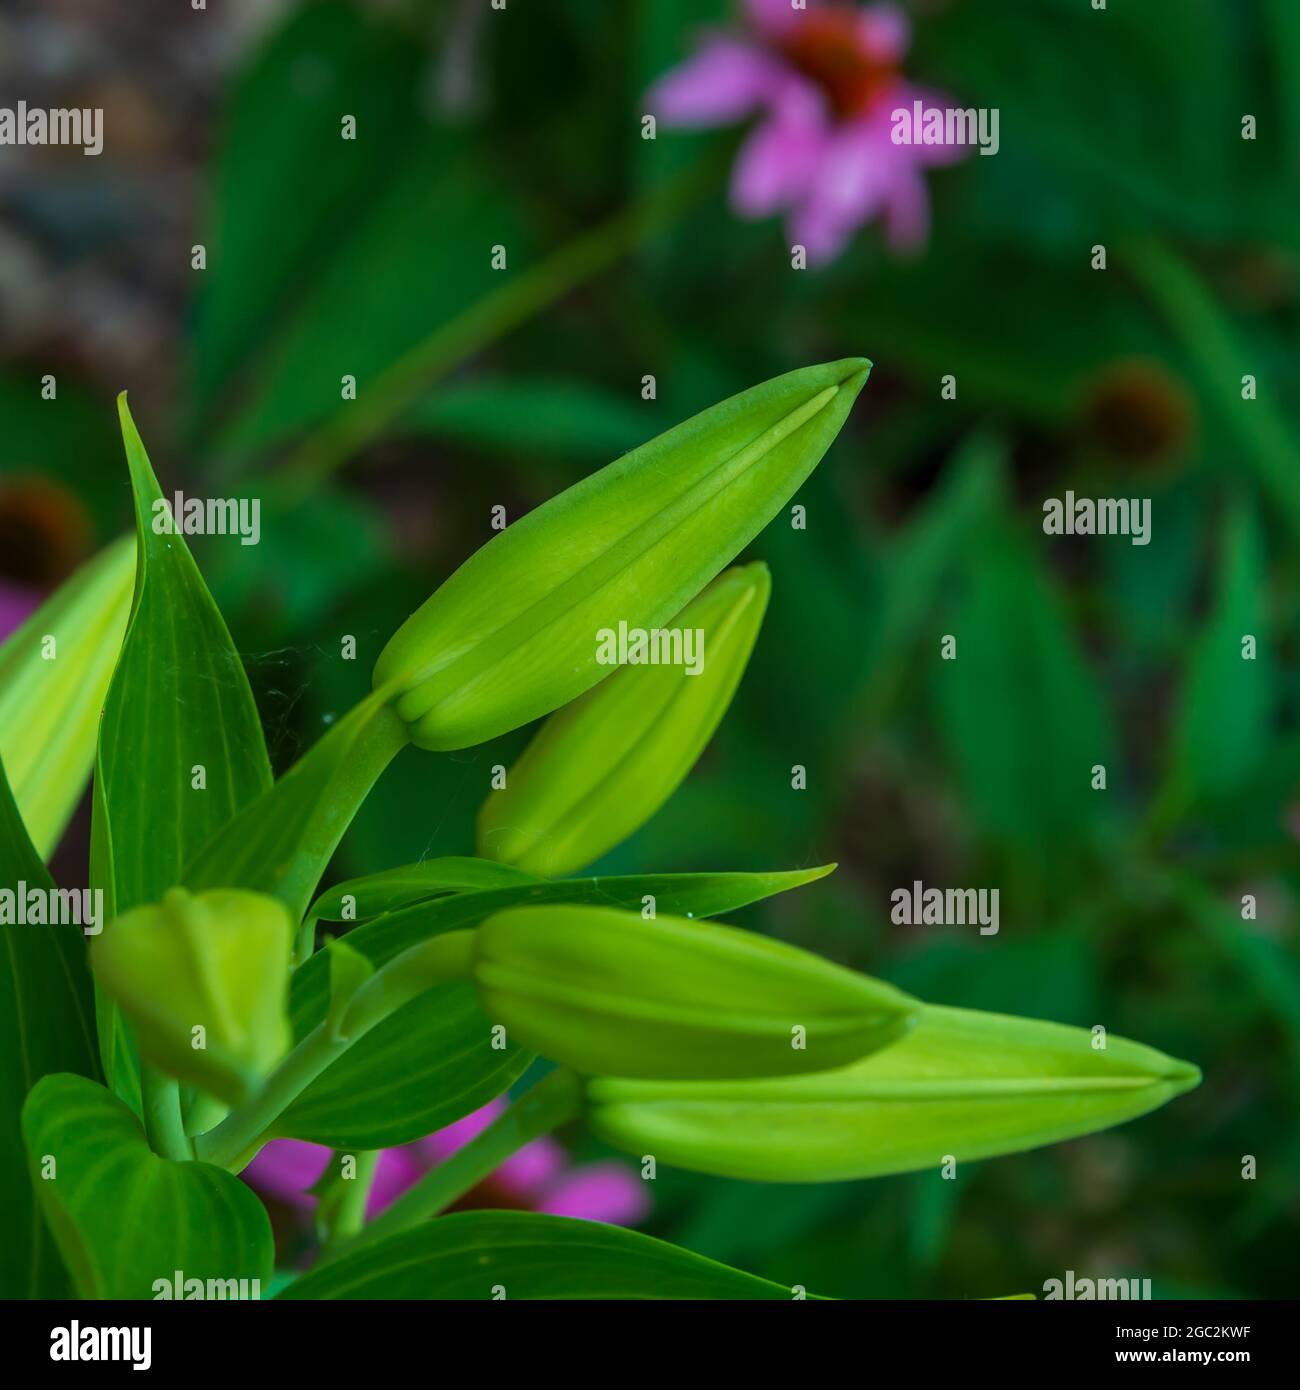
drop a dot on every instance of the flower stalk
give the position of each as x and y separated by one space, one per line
553 1102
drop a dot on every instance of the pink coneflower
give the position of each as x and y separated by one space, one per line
824 82
539 1177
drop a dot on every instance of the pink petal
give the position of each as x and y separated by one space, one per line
822 234
532 1167
598 1192
852 175
396 1170
926 154
286 1169
776 165
724 81
444 1142
885 33
907 211
773 19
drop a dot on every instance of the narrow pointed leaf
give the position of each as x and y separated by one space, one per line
179 702
392 889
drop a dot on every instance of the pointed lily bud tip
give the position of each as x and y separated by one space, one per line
855 372
1182 1076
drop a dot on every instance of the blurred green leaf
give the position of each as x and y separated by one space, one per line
1224 723
517 415
1022 718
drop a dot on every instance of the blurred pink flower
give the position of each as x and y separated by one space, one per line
538 1177
16 606
824 84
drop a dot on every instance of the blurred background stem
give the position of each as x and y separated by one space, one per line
380 403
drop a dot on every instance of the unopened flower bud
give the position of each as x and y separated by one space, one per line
608 993
960 1085
603 765
513 634
203 978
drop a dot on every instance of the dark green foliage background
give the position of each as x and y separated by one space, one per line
1119 128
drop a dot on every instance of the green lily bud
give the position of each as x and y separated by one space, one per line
204 980
605 991
603 765
514 633
54 674
961 1084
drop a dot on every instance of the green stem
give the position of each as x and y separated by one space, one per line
551 1103
282 842
235 1141
160 1098
351 1215
400 385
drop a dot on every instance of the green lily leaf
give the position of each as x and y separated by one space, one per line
962 1084
392 889
495 1255
603 765
51 696
433 1061
515 632
179 702
605 992
46 1025
122 1217
180 743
